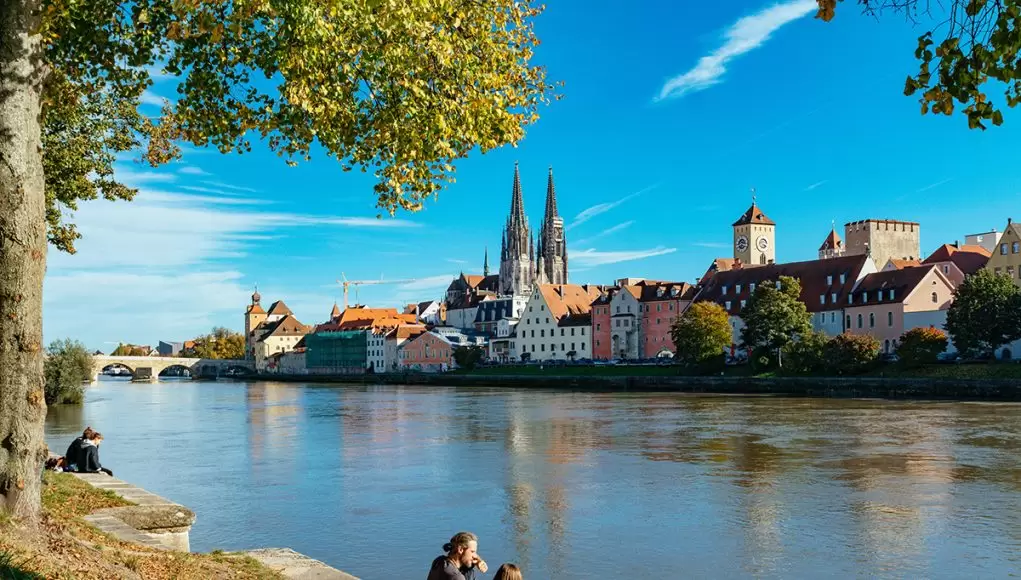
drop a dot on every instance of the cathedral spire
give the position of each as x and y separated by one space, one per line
551 197
517 203
485 263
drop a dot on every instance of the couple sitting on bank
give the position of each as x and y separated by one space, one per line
462 561
82 455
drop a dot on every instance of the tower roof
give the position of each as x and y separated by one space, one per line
517 203
754 215
832 241
551 197
335 312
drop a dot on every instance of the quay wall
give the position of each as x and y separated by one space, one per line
878 387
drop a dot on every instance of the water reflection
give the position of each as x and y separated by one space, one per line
576 485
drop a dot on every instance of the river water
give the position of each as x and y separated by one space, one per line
574 485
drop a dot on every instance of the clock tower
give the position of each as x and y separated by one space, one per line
755 238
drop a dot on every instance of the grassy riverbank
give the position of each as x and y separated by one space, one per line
66 546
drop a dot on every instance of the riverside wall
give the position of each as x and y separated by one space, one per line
878 387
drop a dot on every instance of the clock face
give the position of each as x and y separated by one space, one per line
741 244
762 243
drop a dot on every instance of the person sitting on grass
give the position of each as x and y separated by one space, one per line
88 458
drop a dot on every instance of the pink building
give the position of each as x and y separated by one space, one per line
426 352
956 262
661 304
601 322
887 304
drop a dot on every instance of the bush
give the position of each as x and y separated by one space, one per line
850 353
467 357
920 346
805 356
701 334
67 367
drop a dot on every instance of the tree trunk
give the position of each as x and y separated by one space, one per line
22 260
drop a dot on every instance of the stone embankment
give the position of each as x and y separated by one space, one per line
880 387
160 523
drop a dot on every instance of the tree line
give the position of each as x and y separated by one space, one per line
984 317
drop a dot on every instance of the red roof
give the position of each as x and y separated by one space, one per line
754 215
876 287
817 278
279 307
832 241
969 259
901 264
718 265
661 291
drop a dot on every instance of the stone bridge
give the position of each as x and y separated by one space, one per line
150 367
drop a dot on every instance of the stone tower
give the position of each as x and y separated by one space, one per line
552 265
254 316
516 250
754 238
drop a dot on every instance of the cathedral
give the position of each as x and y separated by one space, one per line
525 260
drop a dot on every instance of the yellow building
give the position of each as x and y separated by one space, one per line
1006 258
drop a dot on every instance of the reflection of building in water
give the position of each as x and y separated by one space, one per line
273 411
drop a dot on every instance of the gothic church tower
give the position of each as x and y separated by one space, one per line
516 249
552 264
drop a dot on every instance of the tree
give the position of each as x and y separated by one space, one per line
68 365
130 350
977 43
985 314
221 344
401 88
920 346
775 317
806 355
851 353
467 357
701 333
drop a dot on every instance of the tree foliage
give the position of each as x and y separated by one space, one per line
702 333
68 365
806 355
775 317
850 353
920 346
221 343
985 314
130 350
467 357
399 88
970 43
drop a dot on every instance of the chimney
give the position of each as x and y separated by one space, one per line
957 243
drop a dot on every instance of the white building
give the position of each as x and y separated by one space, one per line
375 342
556 323
987 240
625 322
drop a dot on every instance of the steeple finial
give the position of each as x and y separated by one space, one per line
485 263
753 196
256 297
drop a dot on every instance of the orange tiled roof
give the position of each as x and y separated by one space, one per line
254 309
279 307
831 242
569 299
754 215
718 265
286 326
901 264
969 259
902 282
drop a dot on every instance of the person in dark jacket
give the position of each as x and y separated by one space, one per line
73 450
88 458
461 561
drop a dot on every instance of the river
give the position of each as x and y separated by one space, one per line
574 485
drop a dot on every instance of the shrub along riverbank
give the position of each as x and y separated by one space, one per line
66 546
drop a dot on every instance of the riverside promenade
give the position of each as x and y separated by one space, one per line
998 389
157 522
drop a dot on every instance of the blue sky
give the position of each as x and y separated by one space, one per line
671 113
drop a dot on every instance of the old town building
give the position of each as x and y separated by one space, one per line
883 239
555 324
1006 259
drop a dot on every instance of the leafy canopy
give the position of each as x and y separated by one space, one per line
701 333
979 41
920 346
985 314
850 353
221 343
398 88
67 366
775 317
805 355
467 357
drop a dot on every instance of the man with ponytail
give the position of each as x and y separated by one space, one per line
461 560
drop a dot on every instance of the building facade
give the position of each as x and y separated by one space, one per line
662 303
883 239
956 262
754 238
832 246
337 352
602 322
552 252
427 352
522 261
556 323
987 240
1006 258
278 336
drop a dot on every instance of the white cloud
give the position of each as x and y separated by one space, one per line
200 189
601 208
151 98
192 170
606 232
133 178
156 73
934 185
745 35
815 185
161 196
711 245
593 257
229 186
456 261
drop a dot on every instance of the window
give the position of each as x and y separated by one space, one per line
657 321
671 306
829 280
528 321
737 289
935 298
529 308
562 332
865 296
1003 249
572 331
833 298
1015 248
727 304
547 320
850 298
562 347
533 334
597 343
879 295
843 278
822 299
997 271
859 321
848 321
572 346
889 318
872 319
629 308
583 332
833 317
742 303
751 287
542 347
1010 271
724 290
583 346
626 323
659 307
617 323
542 307
618 309
946 269
777 284
891 293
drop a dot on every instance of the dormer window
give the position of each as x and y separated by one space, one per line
724 290
659 291
751 287
738 289
879 296
777 284
833 298
843 278
829 280
891 293
822 299
850 299
864 297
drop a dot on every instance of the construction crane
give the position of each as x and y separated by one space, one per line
347 283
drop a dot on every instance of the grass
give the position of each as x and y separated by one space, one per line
66 546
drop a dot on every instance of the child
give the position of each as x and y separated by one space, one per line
508 572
